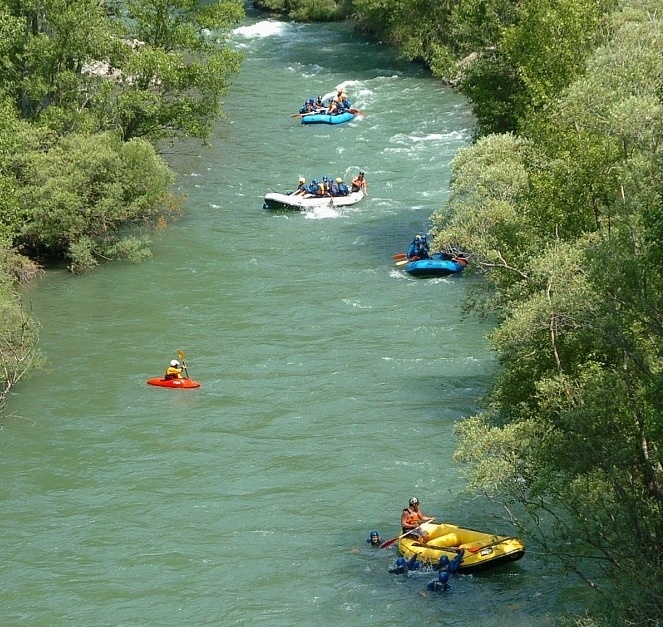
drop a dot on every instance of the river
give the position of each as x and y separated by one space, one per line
331 381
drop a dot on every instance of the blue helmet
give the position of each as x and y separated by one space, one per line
443 576
315 181
400 561
444 560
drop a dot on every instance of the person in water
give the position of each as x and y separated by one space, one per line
374 539
451 567
174 370
359 182
411 519
440 584
403 566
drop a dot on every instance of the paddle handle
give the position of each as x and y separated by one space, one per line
384 545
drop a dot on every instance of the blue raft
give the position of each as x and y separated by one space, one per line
439 264
326 118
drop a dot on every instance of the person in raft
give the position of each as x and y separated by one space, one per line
411 519
174 370
301 187
419 248
359 182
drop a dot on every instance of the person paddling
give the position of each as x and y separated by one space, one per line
411 519
174 370
359 182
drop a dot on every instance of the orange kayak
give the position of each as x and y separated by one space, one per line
173 383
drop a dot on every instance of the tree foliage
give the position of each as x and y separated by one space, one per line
159 72
82 194
565 224
307 10
173 76
509 56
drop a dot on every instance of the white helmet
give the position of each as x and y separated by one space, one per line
174 363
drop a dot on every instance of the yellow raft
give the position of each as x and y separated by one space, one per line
482 550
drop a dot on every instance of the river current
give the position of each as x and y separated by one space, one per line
331 381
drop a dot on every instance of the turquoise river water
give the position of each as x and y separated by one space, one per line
331 381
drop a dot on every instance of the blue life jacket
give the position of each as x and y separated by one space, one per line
343 189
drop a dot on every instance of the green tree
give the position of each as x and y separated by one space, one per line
567 225
88 198
173 74
53 45
77 67
19 335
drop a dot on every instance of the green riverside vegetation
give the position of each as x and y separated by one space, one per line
86 88
560 203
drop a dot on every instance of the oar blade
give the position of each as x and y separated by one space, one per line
388 543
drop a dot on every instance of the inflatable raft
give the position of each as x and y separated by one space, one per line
173 383
439 264
277 201
482 550
326 118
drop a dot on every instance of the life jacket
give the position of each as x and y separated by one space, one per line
343 189
412 518
311 188
173 373
334 190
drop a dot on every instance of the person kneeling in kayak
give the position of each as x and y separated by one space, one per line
174 370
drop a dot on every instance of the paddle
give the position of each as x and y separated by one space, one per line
182 357
402 262
384 545
356 112
475 549
301 115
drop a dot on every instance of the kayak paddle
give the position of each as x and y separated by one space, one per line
182 357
